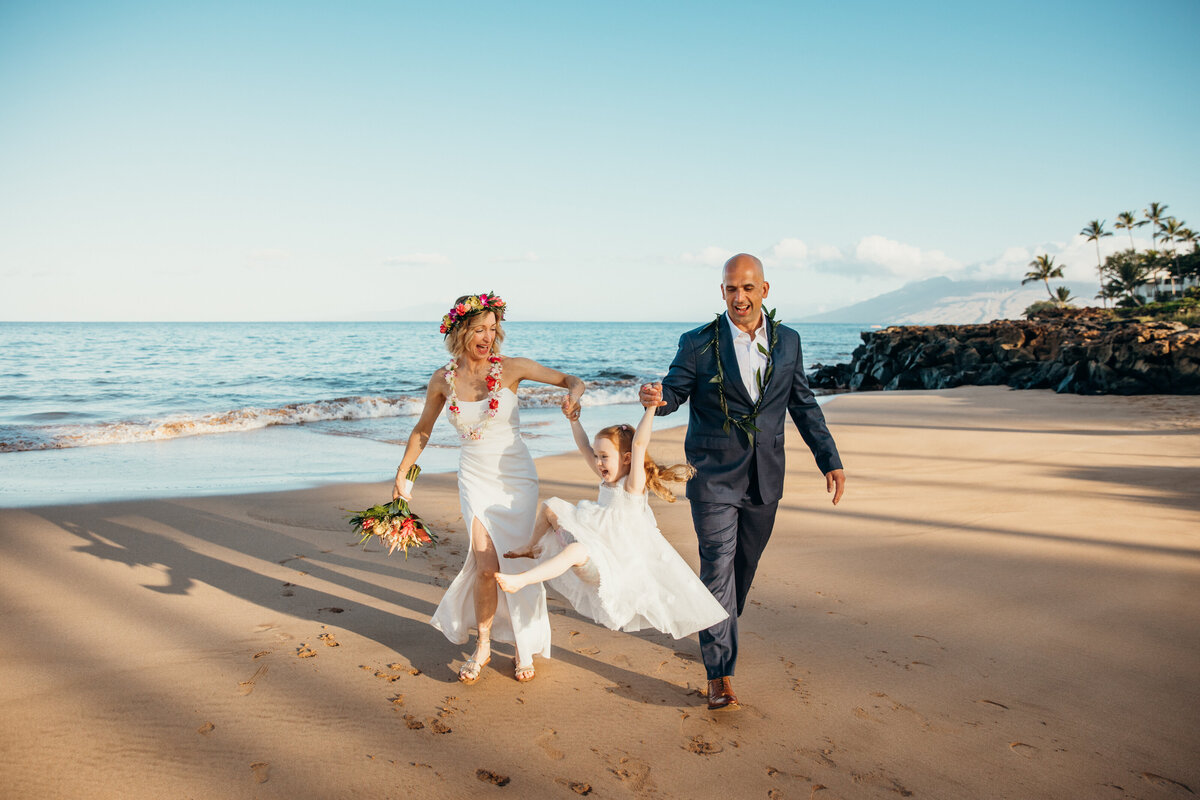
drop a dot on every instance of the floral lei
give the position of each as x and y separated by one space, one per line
488 301
743 422
493 398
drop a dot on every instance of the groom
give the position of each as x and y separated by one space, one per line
741 373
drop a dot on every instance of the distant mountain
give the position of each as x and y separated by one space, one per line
942 301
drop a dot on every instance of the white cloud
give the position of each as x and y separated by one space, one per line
826 252
904 260
787 253
416 259
711 256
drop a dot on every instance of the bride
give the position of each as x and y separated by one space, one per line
497 483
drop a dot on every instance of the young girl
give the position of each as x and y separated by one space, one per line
608 558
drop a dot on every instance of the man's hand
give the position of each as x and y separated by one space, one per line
650 395
835 481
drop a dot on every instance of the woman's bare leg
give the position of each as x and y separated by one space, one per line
573 555
546 520
487 566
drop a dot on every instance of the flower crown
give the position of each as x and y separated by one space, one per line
473 304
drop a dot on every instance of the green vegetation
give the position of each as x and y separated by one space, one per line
1186 309
1169 266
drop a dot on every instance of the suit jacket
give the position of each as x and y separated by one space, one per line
723 460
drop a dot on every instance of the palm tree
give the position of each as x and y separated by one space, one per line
1154 215
1094 231
1043 269
1128 275
1105 294
1128 221
1062 296
1172 231
1152 261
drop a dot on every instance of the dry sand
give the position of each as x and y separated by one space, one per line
1006 604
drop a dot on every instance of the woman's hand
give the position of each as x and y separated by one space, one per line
571 407
402 488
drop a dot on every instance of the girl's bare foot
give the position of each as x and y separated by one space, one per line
510 583
525 552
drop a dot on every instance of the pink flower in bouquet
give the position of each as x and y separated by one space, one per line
461 308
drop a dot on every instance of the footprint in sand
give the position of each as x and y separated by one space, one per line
206 729
487 776
1165 783
261 770
397 700
632 772
702 747
1022 749
260 654
304 651
822 756
413 723
246 687
880 778
578 787
329 641
287 589
546 742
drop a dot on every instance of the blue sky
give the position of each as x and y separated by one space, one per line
372 160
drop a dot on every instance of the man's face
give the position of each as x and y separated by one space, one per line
744 290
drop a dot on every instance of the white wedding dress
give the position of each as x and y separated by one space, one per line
498 485
633 578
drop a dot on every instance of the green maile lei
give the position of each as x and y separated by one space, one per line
743 422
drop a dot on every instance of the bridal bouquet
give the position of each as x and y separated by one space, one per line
394 523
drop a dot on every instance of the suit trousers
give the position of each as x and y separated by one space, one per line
732 538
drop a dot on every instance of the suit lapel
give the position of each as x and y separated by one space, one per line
771 335
734 387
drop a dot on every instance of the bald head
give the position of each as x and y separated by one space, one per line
743 261
744 287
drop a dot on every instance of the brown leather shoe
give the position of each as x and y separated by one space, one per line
720 694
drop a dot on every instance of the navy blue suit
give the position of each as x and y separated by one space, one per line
738 485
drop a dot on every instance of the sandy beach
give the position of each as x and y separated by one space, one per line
1005 605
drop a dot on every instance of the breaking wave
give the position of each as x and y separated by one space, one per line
51 437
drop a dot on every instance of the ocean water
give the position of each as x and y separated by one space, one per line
97 411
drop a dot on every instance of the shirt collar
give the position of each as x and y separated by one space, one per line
737 332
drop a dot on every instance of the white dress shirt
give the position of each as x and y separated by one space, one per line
749 358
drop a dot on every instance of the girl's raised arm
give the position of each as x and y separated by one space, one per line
635 483
585 445
435 399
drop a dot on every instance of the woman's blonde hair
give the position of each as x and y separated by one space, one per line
622 437
456 339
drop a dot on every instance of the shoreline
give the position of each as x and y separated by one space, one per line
1003 605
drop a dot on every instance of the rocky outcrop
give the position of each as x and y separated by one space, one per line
1080 353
